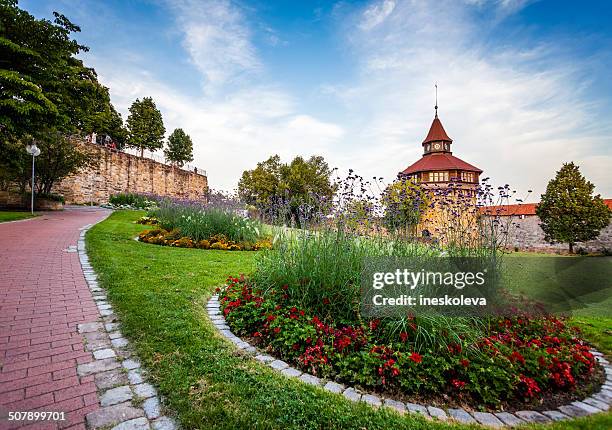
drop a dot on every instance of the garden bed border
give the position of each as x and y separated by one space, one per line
595 403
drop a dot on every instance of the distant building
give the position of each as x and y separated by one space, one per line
525 234
446 176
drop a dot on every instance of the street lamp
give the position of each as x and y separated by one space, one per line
35 152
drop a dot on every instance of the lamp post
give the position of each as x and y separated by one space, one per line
35 152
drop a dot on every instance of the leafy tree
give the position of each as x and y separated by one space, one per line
569 211
59 157
180 148
297 191
405 201
45 90
145 126
42 83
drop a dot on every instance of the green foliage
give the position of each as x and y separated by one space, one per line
180 148
569 211
294 192
200 223
145 126
59 157
43 83
133 200
405 201
513 359
45 90
326 266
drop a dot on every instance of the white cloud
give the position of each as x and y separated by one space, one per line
217 39
376 13
516 113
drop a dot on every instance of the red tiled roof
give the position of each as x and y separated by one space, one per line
436 132
521 209
439 161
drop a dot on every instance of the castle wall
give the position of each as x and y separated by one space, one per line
526 235
119 172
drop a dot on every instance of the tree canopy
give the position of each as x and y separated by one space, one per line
45 91
180 148
145 126
297 191
569 211
42 83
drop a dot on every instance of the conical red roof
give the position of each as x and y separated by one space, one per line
436 132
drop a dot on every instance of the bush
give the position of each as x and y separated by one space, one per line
133 200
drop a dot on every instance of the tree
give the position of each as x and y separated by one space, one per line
180 148
568 210
145 126
298 191
405 201
42 83
60 156
45 90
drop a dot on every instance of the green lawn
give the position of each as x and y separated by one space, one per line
14 215
160 295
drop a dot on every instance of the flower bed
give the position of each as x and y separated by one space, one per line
519 361
160 236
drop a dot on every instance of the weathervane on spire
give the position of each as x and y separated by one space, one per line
436 86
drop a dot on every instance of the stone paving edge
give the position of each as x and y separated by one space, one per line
127 401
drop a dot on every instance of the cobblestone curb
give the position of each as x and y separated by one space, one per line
597 402
127 401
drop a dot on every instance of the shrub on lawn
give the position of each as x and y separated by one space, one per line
133 201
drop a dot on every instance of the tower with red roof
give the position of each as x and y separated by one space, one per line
438 164
452 183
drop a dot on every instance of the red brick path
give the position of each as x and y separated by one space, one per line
43 296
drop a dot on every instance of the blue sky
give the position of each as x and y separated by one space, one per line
523 85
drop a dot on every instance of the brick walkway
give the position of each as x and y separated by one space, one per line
43 296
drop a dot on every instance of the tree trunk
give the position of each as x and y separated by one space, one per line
141 152
571 248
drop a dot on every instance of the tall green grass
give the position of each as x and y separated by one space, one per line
201 223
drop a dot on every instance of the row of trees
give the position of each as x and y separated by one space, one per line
48 96
145 130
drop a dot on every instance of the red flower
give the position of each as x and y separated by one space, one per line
516 356
416 357
530 386
403 336
465 362
276 330
325 301
457 383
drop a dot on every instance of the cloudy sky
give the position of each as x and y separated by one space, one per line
523 85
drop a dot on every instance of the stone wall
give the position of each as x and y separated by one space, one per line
526 235
119 172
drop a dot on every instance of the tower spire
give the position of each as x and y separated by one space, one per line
436 107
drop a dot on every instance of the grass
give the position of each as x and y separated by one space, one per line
14 215
160 295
